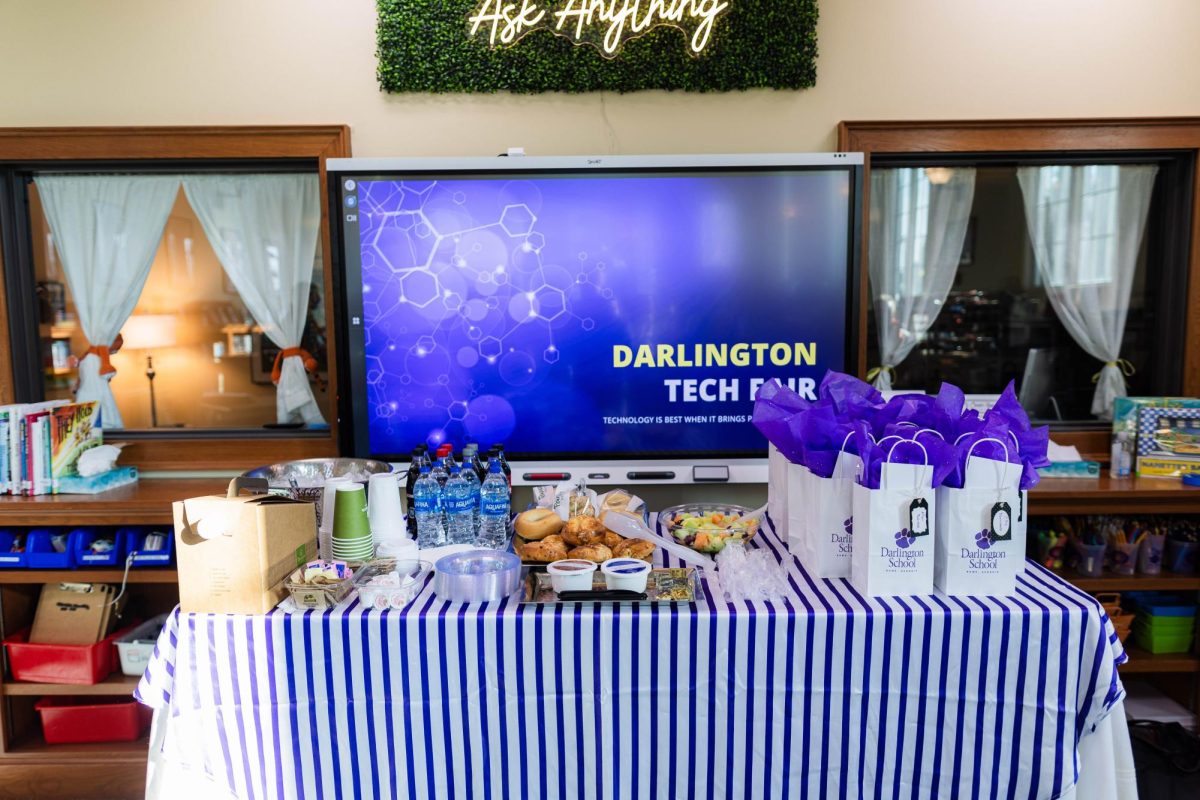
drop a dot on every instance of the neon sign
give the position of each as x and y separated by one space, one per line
604 24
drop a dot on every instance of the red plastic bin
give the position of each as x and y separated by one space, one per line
62 663
72 720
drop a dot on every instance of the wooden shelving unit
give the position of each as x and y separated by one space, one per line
1177 674
116 684
88 576
1105 495
35 749
1164 582
109 770
1146 663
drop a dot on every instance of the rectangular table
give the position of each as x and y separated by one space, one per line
824 693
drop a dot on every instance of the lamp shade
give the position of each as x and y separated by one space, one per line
148 331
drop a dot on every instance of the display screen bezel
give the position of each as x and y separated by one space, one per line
353 427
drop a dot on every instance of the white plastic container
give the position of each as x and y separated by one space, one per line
627 574
571 574
403 581
136 647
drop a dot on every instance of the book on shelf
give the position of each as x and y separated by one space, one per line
42 443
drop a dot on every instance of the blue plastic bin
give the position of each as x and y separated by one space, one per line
40 553
9 559
81 543
1161 604
133 540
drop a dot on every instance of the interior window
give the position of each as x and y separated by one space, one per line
192 354
997 321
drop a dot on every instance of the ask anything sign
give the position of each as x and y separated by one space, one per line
605 24
596 45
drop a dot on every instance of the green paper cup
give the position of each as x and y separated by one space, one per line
356 548
350 513
368 555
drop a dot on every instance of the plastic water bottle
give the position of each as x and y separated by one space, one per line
469 475
440 471
460 517
414 474
427 497
493 507
497 453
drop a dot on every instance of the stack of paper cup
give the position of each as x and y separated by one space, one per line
325 517
385 510
351 528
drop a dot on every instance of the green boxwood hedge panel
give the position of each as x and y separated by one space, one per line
424 47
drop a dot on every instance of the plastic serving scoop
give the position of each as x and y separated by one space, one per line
633 528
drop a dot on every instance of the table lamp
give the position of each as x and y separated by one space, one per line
149 332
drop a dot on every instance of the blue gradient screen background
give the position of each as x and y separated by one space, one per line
491 305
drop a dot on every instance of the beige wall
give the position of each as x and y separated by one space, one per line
146 62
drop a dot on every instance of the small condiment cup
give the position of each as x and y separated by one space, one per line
571 575
629 574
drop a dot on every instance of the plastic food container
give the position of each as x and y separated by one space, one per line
571 574
135 648
62 663
477 576
410 579
629 574
317 596
712 525
72 720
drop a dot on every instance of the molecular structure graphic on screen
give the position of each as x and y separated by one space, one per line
451 285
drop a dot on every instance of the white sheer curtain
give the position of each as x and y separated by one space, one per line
107 229
1086 223
264 230
917 231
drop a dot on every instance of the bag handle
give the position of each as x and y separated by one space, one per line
924 452
253 485
847 440
975 444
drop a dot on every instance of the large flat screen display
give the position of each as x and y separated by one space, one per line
589 308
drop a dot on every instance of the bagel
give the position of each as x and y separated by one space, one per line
537 523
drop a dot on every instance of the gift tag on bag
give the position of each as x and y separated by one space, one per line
1001 526
918 517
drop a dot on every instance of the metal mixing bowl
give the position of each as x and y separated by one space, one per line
305 479
313 472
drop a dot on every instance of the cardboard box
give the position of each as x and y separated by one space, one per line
1168 440
235 552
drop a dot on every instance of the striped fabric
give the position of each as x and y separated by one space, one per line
824 694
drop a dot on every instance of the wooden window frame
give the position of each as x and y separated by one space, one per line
989 137
314 142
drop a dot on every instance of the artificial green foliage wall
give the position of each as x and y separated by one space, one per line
424 47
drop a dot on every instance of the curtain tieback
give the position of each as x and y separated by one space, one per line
1122 364
310 363
101 352
874 373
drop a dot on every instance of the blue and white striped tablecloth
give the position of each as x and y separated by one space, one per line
824 694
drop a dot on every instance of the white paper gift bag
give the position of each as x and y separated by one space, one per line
893 547
777 491
979 548
822 512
